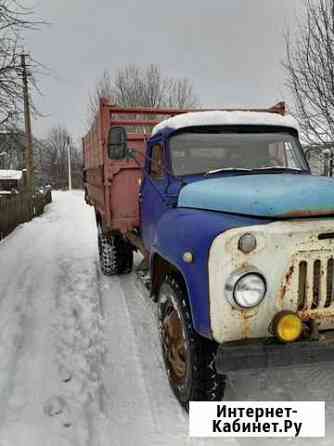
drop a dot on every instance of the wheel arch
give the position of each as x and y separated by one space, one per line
160 267
100 222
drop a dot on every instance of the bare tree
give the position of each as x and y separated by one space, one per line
53 159
310 71
146 87
103 89
14 21
181 94
12 149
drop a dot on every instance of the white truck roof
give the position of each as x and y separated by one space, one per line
204 118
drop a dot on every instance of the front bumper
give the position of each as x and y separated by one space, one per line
262 354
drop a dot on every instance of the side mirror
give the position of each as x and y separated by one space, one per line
117 143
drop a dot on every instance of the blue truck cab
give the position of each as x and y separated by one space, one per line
239 236
238 239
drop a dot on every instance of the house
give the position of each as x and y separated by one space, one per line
11 181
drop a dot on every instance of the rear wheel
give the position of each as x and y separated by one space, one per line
115 253
189 358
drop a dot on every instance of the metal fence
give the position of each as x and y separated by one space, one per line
21 208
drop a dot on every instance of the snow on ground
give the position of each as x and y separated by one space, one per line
80 361
51 330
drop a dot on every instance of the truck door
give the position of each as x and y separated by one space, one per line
153 192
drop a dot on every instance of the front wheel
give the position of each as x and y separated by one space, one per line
189 358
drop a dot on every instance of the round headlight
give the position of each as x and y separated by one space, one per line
249 290
247 243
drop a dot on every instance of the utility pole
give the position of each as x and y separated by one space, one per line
69 163
27 122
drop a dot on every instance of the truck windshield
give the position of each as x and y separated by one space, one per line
197 153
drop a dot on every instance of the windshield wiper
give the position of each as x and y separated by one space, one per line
280 169
268 169
228 169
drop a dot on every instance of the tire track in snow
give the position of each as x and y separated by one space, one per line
127 402
13 320
80 344
143 318
137 384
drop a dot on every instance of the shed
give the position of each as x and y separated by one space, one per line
11 180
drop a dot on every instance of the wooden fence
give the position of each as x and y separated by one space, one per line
21 208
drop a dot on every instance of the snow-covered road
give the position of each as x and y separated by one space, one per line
80 362
51 334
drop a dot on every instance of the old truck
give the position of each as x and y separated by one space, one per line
237 235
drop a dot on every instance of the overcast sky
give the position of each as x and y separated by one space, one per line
230 49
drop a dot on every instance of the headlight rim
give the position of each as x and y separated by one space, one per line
263 295
234 279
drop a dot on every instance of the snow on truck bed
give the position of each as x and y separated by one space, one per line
202 118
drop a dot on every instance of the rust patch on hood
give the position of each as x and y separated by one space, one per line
321 313
245 325
245 319
286 283
308 213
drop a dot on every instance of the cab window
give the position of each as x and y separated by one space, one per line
157 162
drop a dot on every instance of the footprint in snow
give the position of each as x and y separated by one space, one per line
65 375
56 405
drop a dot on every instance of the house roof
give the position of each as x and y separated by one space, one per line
10 174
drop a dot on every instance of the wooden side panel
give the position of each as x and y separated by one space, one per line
92 145
95 188
124 199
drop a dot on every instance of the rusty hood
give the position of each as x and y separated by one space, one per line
262 195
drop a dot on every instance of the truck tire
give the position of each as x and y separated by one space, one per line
189 358
116 255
